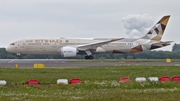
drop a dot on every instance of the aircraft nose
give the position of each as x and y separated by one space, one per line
8 49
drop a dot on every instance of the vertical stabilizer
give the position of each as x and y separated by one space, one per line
157 31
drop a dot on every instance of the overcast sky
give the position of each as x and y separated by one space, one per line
23 19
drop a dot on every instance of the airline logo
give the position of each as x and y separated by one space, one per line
47 41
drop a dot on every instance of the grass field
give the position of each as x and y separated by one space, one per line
98 84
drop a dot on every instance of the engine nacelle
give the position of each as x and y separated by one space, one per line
68 51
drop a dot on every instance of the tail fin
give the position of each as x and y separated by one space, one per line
156 32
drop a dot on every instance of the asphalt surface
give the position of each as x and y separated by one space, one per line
69 63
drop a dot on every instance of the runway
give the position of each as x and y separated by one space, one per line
74 63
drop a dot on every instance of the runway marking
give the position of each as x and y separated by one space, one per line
10 61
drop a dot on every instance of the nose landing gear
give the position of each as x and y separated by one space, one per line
19 56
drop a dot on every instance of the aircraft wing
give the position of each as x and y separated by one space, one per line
96 44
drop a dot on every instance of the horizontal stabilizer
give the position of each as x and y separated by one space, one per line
165 43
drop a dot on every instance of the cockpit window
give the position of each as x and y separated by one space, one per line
12 44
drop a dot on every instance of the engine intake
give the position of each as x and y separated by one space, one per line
68 51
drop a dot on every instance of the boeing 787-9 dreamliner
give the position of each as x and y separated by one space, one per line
71 47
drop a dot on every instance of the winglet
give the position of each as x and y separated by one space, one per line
157 31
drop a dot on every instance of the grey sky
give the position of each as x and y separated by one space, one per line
22 19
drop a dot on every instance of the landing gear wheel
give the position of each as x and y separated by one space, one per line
19 57
88 57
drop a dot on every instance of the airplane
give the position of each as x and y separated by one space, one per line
71 47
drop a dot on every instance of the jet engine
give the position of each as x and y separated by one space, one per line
68 51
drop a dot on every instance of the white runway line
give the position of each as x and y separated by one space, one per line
10 61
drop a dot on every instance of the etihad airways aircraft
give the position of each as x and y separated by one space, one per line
71 47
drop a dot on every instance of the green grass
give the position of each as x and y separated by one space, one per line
98 84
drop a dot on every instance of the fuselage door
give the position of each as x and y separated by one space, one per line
20 46
53 44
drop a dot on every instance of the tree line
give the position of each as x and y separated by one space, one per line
174 54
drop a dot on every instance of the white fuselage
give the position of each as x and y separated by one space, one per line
53 46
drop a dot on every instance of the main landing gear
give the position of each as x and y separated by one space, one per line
89 57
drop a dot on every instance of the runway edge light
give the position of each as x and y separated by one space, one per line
17 65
